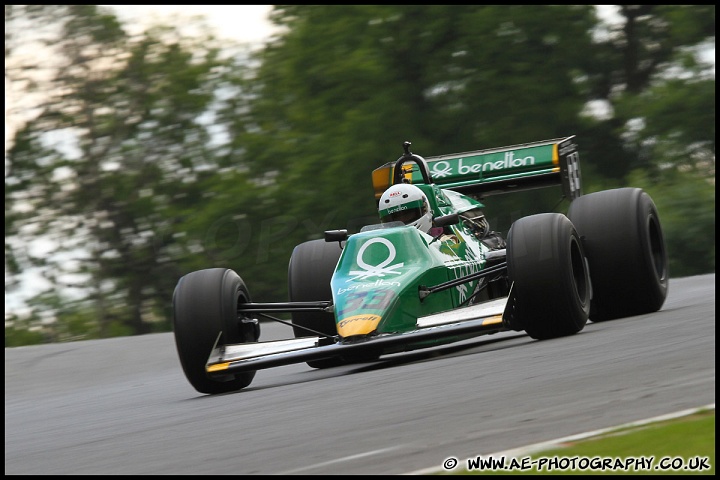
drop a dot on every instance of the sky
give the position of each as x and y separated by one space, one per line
245 23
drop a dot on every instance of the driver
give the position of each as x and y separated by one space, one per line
408 204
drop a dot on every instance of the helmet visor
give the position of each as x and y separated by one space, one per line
406 213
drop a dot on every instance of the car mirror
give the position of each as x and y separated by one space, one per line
445 220
336 235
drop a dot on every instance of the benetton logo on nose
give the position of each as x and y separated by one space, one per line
379 270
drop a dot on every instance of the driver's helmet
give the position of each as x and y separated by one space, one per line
408 204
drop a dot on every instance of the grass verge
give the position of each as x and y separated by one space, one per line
681 446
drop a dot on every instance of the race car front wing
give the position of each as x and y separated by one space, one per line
481 319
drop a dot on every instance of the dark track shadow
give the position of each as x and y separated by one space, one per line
404 358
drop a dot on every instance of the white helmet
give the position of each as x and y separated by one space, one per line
407 204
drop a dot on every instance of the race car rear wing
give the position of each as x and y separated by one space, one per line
493 171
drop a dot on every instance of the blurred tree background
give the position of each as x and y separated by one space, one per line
139 158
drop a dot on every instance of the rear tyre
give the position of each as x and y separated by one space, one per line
551 285
624 244
205 306
311 268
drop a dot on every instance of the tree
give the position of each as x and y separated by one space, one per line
662 90
132 109
685 203
147 193
646 68
346 85
337 95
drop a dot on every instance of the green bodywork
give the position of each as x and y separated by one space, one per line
377 281
499 170
379 274
509 167
394 287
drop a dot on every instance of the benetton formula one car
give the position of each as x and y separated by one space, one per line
392 288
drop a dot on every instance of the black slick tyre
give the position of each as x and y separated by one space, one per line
205 306
551 288
311 268
624 244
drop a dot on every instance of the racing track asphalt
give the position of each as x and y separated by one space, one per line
123 406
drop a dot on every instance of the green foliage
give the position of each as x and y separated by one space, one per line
338 95
52 319
685 203
684 438
19 333
148 191
133 105
647 67
678 126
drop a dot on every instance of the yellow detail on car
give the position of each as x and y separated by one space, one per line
358 325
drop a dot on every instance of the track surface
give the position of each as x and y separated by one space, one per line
123 406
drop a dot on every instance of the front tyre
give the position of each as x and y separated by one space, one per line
551 284
625 248
205 305
311 268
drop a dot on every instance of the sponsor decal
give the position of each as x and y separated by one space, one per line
358 324
465 269
395 209
375 284
462 292
468 266
398 208
471 264
443 168
381 269
475 291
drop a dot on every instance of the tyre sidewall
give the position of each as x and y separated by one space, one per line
551 289
312 265
624 243
205 312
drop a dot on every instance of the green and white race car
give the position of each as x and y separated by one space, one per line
392 287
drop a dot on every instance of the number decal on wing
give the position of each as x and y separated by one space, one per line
366 300
573 168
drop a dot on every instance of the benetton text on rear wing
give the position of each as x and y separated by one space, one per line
500 170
